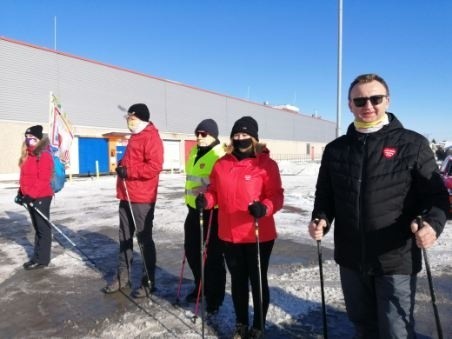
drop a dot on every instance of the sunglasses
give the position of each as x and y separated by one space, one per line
374 100
130 116
201 133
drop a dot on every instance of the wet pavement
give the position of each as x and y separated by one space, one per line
53 303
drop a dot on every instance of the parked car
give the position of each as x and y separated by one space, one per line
446 173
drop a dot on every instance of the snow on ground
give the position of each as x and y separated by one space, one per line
64 300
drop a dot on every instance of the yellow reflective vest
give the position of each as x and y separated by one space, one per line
197 175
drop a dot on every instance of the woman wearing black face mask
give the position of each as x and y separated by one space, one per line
35 192
246 186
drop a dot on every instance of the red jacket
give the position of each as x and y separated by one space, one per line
35 175
143 159
234 185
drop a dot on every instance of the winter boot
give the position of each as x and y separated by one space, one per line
121 281
254 333
139 292
212 310
240 332
144 282
144 289
192 296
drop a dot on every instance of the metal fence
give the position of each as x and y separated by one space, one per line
296 157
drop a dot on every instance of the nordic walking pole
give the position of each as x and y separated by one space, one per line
201 229
59 231
138 240
319 252
259 271
420 224
205 258
180 278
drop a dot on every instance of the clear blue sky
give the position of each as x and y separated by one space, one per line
280 51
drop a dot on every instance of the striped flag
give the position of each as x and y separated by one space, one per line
61 131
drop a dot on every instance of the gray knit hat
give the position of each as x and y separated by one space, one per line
209 126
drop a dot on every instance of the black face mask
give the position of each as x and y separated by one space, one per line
241 143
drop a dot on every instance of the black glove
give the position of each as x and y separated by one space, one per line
257 209
121 171
19 199
200 202
26 199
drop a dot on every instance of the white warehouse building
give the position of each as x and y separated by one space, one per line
94 96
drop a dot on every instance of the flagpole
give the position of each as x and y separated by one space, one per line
55 33
51 119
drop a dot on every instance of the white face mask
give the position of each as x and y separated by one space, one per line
136 125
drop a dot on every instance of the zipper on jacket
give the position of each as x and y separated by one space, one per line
362 231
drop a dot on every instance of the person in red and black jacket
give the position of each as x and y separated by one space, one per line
246 185
138 178
35 192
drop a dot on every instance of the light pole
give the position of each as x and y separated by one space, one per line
339 70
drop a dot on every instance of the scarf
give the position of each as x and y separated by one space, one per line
370 127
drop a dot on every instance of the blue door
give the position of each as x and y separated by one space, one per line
92 150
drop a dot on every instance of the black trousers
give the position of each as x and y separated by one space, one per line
144 219
214 269
43 231
380 306
242 264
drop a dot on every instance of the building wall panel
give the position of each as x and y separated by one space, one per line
95 97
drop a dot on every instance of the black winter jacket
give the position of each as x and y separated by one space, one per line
373 186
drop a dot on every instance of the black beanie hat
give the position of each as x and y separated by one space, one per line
141 111
35 131
209 126
246 125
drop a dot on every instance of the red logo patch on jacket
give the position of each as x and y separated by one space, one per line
389 152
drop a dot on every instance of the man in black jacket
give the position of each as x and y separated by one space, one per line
373 182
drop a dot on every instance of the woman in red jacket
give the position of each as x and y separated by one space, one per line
246 186
35 192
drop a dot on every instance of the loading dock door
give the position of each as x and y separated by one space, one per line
171 155
92 150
